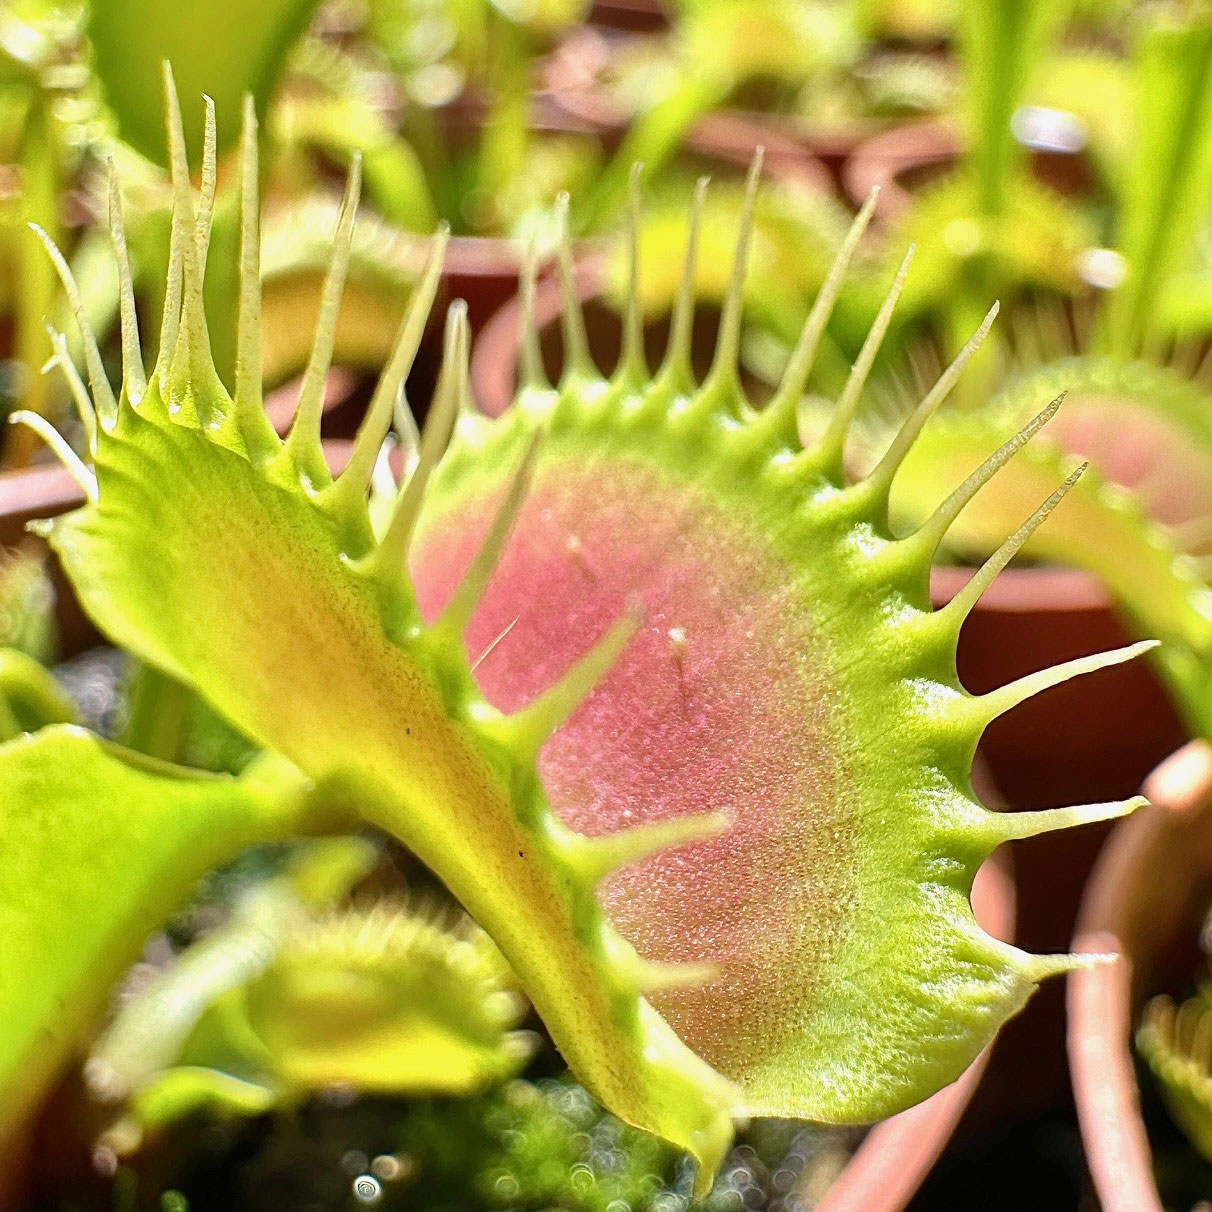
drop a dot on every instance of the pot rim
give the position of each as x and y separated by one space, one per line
885 157
1101 998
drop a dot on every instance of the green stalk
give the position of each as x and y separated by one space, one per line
1000 40
651 141
158 711
506 133
1170 179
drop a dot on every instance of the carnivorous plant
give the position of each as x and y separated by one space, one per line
649 686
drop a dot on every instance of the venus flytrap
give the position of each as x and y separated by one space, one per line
1138 400
296 993
646 683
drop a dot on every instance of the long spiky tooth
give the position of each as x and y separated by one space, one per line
75 385
350 486
951 616
676 371
724 376
598 857
1042 967
134 380
930 534
534 375
455 617
61 449
192 338
577 362
631 368
530 727
170 318
832 443
1013 826
103 396
451 387
206 199
303 443
998 702
785 401
404 424
249 412
880 480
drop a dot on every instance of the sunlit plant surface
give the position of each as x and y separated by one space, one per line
648 684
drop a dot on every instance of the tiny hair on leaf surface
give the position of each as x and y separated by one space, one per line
708 787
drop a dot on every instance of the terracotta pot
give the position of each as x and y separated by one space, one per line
1146 901
902 157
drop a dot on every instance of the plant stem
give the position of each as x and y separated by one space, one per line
158 714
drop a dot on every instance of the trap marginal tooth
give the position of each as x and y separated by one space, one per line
102 393
206 196
931 533
303 445
79 393
534 374
577 362
457 614
631 369
404 423
1013 826
248 411
951 617
349 489
998 702
879 482
676 373
781 411
429 446
830 448
191 352
723 380
134 379
60 448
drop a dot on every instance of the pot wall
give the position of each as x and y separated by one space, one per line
1146 902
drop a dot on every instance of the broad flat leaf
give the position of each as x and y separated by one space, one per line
98 847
